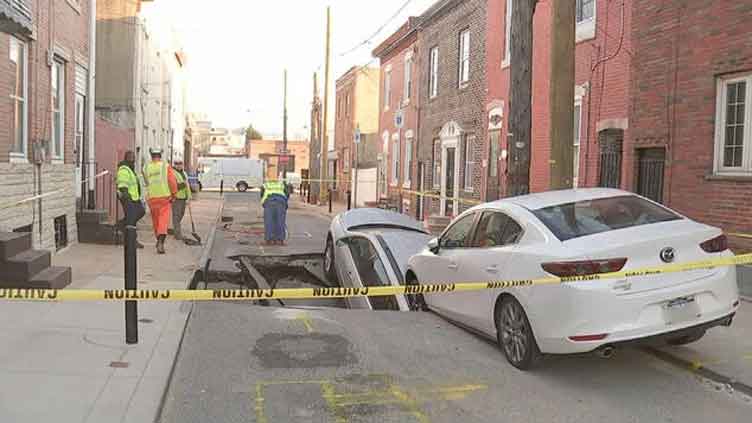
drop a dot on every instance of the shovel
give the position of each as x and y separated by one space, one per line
189 241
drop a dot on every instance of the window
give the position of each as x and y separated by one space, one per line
408 161
576 149
464 58
437 164
457 235
496 230
347 104
733 119
508 34
408 86
346 159
18 95
584 10
493 162
60 225
582 218
371 271
395 158
387 88
469 156
58 108
433 72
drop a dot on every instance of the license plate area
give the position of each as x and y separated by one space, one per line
681 310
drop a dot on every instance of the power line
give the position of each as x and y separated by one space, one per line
381 28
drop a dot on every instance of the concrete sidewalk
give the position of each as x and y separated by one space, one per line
68 361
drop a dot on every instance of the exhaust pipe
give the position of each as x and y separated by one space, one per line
606 352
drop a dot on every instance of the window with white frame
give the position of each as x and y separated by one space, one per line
387 88
585 17
469 161
408 85
58 108
437 164
18 95
408 161
433 72
395 158
733 122
576 149
508 33
464 57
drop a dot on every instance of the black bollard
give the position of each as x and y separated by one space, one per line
349 199
308 193
221 187
131 272
330 200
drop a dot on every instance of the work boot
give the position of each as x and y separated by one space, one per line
160 244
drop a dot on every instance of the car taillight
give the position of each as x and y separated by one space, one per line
565 269
715 245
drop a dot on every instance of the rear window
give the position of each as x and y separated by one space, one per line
582 218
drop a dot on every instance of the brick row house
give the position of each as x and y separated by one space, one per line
45 70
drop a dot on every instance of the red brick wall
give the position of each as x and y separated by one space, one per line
681 50
609 93
344 130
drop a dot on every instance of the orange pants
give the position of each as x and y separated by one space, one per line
160 214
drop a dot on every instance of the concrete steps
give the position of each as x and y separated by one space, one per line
94 227
23 267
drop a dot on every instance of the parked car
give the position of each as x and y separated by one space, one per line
370 247
569 233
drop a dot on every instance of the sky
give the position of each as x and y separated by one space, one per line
237 51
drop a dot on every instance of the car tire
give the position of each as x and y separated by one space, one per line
330 269
415 302
686 339
515 335
242 187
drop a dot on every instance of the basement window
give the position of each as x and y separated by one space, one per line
61 232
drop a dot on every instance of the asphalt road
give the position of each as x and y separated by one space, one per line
245 363
261 364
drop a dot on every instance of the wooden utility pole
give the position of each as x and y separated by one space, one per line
562 94
324 193
284 132
520 112
313 161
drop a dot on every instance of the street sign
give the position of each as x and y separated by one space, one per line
399 119
284 159
357 136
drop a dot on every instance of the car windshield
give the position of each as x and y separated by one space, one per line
577 219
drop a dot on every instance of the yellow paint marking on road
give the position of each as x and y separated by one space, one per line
748 357
307 321
456 392
327 391
259 406
409 403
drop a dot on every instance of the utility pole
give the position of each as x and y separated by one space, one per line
313 161
562 95
520 112
324 194
284 132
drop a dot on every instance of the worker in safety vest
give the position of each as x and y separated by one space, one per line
181 198
162 187
129 193
274 197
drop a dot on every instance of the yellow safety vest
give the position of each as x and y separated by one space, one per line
156 180
126 178
185 192
271 188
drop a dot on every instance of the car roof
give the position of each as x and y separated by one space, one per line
378 217
552 198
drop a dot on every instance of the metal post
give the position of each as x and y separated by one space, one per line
131 270
221 187
330 199
349 199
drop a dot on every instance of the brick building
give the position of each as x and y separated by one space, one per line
691 123
400 85
356 107
272 150
44 132
603 53
452 98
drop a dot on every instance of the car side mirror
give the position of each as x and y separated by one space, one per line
433 245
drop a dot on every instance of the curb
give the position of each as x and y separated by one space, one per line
700 370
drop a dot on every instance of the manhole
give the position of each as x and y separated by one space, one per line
119 364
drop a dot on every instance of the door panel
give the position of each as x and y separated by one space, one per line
370 272
348 276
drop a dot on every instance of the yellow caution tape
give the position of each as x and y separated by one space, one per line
442 197
738 235
13 294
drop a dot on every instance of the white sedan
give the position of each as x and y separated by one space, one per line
369 247
577 232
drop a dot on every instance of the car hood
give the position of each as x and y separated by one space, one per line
377 217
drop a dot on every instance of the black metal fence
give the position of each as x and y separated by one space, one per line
610 172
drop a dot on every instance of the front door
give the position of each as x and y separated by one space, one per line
421 187
651 163
449 181
79 148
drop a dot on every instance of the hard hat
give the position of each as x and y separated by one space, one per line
155 151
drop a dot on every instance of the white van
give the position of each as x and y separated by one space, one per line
242 174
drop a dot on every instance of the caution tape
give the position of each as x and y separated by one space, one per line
442 197
48 194
738 235
14 294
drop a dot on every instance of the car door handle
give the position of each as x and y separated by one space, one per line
492 269
452 266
